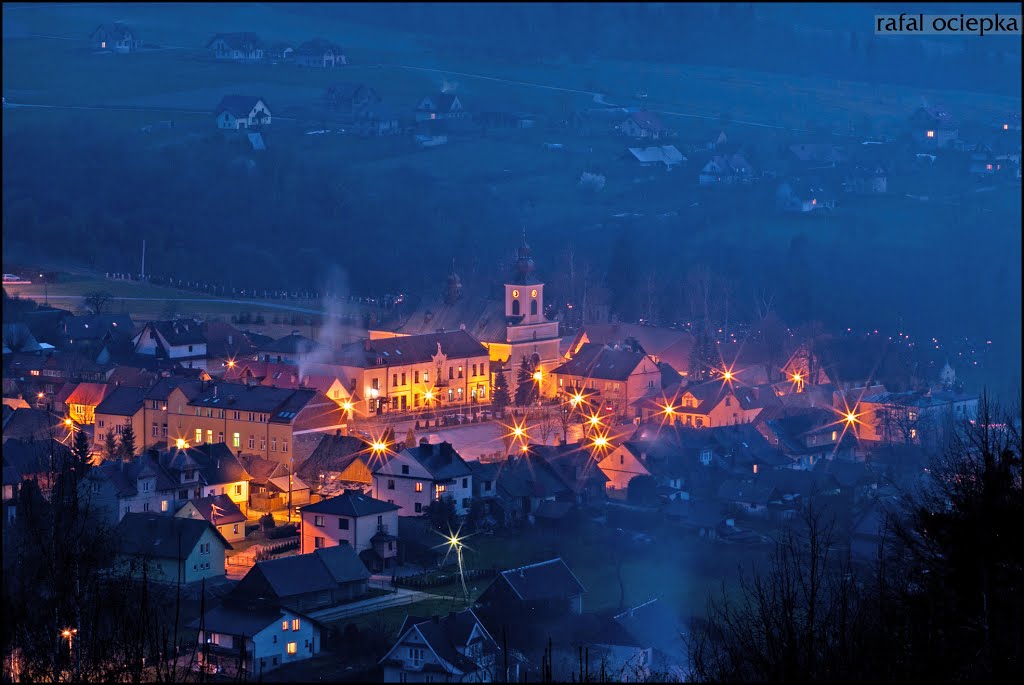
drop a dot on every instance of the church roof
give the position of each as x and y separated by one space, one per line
483 318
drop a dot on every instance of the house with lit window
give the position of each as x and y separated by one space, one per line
368 525
82 401
911 417
804 196
180 340
717 402
117 488
220 512
850 362
175 549
416 476
440 106
206 470
428 372
115 37
236 47
643 124
242 112
279 424
322 578
726 170
158 405
933 127
121 407
237 640
612 378
452 648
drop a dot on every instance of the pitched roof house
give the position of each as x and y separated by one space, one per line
220 512
643 124
456 647
242 111
180 340
722 169
239 639
305 582
368 525
416 476
440 106
612 378
319 53
115 37
177 549
239 47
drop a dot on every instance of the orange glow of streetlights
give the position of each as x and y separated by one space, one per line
727 375
576 399
797 377
429 395
668 410
538 376
600 442
181 444
594 420
68 423
378 447
231 363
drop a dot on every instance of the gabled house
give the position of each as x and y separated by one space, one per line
726 170
576 465
747 497
654 156
278 51
804 196
83 400
241 112
526 483
452 648
117 488
115 37
713 403
38 460
305 582
664 345
368 525
850 362
655 625
180 340
181 550
530 594
121 407
643 124
866 179
933 127
352 99
220 512
239 640
416 476
207 470
319 53
287 349
237 47
30 424
612 378
339 459
440 106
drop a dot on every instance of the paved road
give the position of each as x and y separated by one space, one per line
401 597
249 303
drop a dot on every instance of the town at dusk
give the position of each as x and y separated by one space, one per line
512 342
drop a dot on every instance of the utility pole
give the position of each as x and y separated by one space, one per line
143 259
290 489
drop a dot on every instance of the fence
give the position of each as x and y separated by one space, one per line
431 580
262 552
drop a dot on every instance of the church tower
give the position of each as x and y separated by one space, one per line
524 296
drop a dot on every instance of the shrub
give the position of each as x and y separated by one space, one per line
267 521
287 530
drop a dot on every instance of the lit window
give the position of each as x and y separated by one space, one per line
295 624
199 435
284 625
419 487
913 433
834 434
931 134
318 521
236 440
163 505
292 648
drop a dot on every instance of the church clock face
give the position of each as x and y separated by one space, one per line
533 293
515 293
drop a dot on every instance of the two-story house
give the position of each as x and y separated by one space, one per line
207 470
220 512
82 401
181 341
241 111
452 648
368 525
155 408
319 53
612 378
117 488
115 37
176 550
417 476
238 640
237 47
121 407
440 106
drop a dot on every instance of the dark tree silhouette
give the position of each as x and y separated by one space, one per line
127 446
499 393
526 387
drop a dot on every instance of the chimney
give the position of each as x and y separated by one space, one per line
337 433
366 344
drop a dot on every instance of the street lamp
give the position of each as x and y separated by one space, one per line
69 635
46 290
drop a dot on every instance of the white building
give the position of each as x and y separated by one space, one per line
255 640
417 476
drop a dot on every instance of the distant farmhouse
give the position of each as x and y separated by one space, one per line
237 47
116 37
319 53
933 127
643 124
242 111
440 106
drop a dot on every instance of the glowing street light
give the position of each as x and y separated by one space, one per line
428 396
600 442
576 399
454 542
231 363
69 635
538 376
727 375
594 420
68 423
181 444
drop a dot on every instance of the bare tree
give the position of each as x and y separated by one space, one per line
97 301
